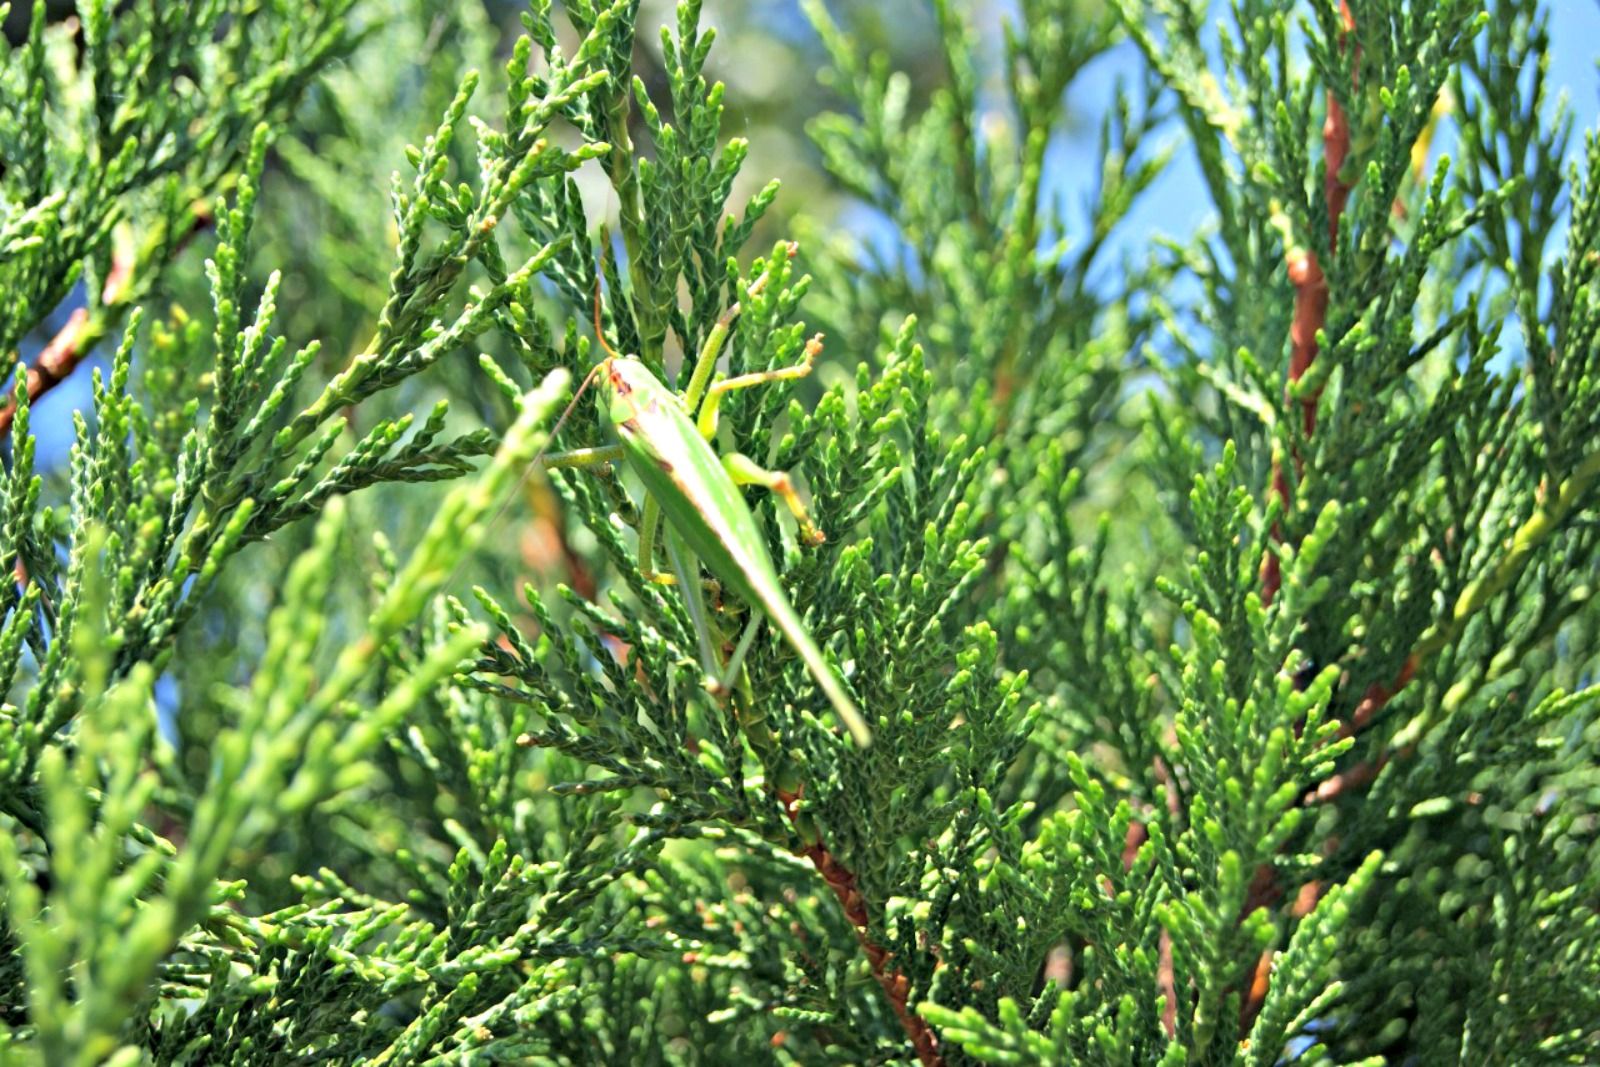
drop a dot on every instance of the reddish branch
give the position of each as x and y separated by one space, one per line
82 331
1311 302
1310 314
61 356
56 360
895 985
1166 972
1372 701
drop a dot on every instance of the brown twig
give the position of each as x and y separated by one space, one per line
1310 315
1166 969
1311 303
56 360
76 339
894 984
1372 702
1378 694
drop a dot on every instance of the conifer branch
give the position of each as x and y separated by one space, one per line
1533 534
1124 623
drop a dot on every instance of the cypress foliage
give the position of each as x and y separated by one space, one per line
1221 605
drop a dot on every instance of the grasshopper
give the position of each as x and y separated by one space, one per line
666 440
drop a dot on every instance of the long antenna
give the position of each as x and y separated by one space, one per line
544 450
599 332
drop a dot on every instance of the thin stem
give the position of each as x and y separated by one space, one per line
1311 296
86 327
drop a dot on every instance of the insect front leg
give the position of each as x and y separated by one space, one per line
745 471
706 421
706 362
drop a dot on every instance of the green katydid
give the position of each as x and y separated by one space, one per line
698 493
